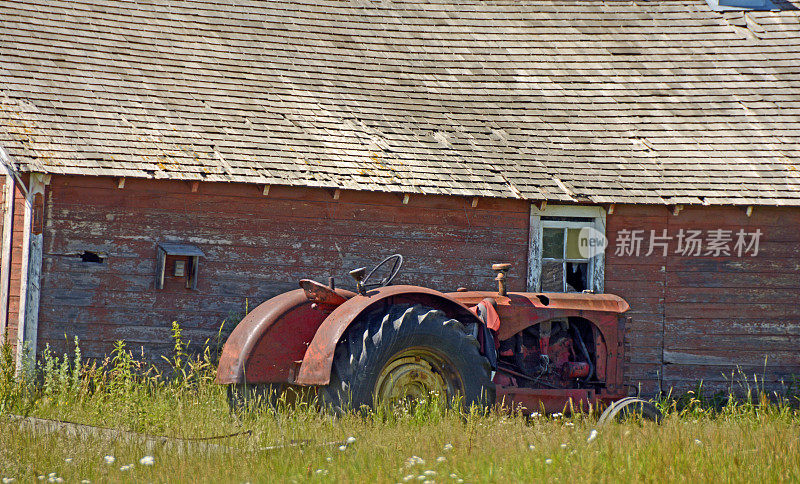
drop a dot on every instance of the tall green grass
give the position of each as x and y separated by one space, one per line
733 437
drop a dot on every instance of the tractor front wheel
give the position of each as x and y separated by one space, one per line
260 396
243 396
405 356
630 407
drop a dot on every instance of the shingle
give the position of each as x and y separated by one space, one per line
647 102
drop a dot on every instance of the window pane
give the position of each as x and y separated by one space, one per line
552 243
577 276
552 276
573 247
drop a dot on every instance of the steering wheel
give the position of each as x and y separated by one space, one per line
397 260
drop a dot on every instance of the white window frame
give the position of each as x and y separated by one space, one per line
596 264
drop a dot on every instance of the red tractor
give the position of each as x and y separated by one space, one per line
385 345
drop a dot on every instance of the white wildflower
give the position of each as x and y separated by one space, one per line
68 460
421 478
429 473
460 480
453 475
126 467
408 477
563 446
323 472
569 424
548 461
329 458
7 480
531 447
414 460
343 447
350 440
535 414
85 481
447 447
51 475
698 442
41 477
592 435
441 459
109 459
147 460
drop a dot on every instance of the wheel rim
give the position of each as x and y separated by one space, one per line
414 375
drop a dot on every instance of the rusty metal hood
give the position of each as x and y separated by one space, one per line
568 301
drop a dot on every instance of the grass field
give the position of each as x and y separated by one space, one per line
736 442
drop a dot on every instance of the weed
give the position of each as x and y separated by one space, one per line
746 432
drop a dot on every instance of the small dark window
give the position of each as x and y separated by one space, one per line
186 262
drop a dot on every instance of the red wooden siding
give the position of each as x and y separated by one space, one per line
640 281
710 316
255 246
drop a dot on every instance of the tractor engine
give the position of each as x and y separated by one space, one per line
550 355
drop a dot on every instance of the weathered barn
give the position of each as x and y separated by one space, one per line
176 160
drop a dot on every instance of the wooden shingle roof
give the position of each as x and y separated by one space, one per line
579 100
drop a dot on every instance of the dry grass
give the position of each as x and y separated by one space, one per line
484 449
738 442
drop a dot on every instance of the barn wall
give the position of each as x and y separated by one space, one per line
709 317
693 318
256 246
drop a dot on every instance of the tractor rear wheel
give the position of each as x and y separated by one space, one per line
404 356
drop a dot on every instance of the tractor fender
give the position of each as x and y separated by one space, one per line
316 366
266 346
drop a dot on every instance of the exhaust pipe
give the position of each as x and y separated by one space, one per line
502 275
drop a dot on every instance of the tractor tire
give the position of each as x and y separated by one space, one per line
403 356
630 407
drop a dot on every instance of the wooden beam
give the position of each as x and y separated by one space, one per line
611 208
5 273
677 209
195 186
30 275
474 202
406 198
337 193
23 282
749 210
541 205
265 192
121 183
161 267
